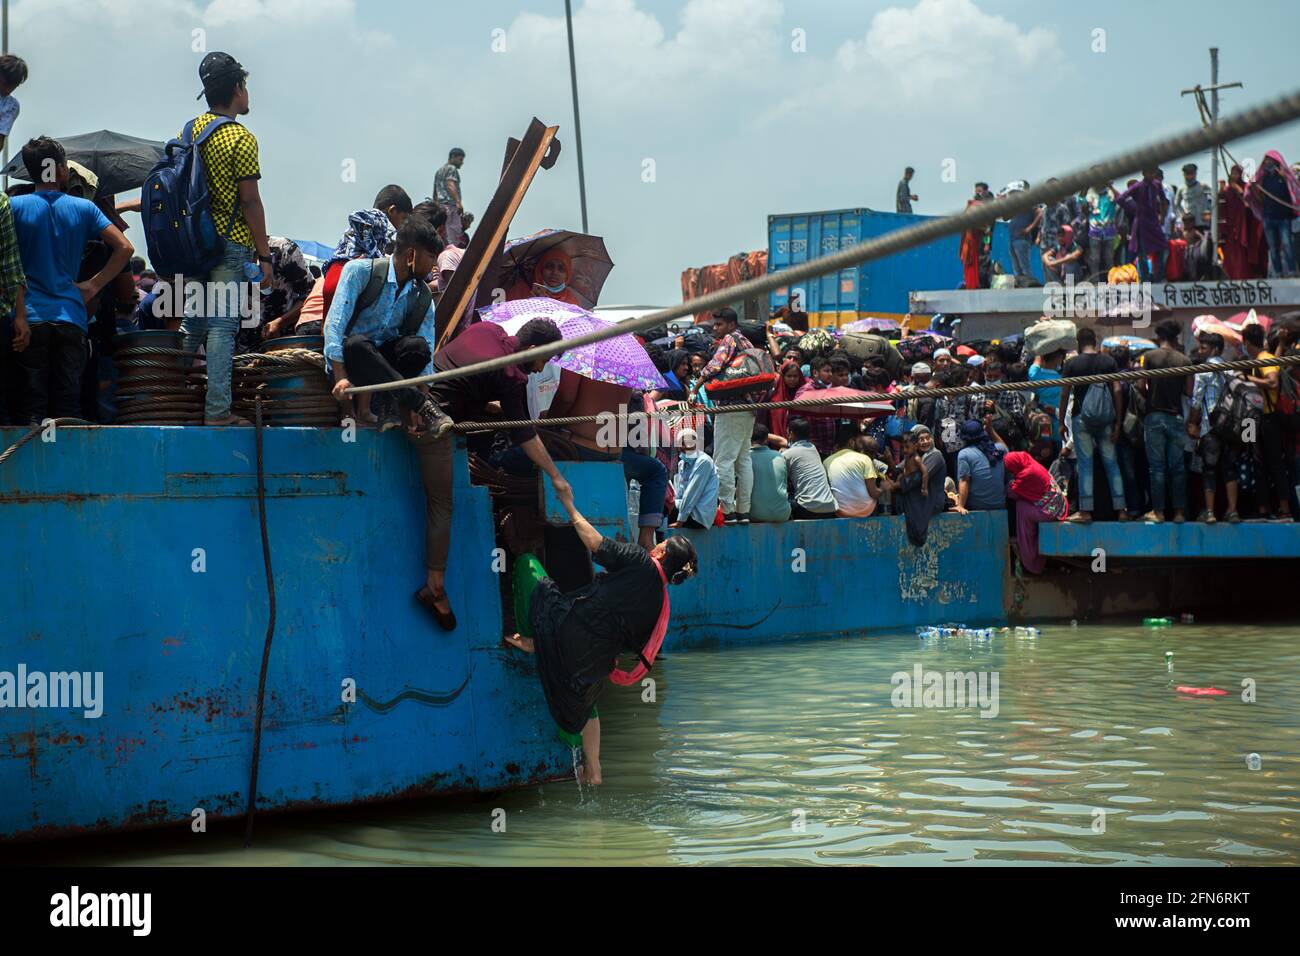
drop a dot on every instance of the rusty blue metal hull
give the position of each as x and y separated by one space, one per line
108 522
143 564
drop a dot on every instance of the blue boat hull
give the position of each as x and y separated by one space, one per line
144 564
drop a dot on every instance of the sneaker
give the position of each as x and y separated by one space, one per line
388 422
1279 519
1207 517
1257 519
1232 518
434 420
731 518
744 519
1153 517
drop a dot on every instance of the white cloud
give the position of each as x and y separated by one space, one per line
941 53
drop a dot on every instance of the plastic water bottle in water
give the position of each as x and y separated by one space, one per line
1169 660
1074 622
1187 618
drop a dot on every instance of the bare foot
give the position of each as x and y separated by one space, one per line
524 644
590 774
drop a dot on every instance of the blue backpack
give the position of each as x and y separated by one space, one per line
180 231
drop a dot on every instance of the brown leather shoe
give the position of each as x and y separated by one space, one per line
446 619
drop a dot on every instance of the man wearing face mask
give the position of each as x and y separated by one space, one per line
380 328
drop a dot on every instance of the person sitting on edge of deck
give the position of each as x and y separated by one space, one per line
771 497
854 481
466 399
810 489
695 485
369 342
578 636
921 493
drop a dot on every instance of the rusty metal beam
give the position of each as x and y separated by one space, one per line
538 149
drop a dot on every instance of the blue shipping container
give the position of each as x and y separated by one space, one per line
878 288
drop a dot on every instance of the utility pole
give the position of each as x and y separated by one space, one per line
1213 90
577 123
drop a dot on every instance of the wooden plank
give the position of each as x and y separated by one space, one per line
538 149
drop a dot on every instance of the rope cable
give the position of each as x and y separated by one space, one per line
1276 112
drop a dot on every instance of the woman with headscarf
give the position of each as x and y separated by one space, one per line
677 375
787 387
1274 197
1245 253
1038 499
578 635
920 489
552 273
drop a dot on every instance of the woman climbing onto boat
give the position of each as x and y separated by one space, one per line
578 635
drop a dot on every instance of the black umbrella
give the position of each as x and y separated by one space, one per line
121 162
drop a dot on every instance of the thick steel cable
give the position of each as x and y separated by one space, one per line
1102 378
270 630
1282 110
36 430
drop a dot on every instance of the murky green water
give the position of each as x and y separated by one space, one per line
795 754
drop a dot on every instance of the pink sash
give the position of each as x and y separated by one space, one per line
651 649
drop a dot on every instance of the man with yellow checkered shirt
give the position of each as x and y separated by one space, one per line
230 164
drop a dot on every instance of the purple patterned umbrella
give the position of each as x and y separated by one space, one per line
871 325
619 360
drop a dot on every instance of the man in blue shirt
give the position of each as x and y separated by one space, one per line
53 229
695 485
366 346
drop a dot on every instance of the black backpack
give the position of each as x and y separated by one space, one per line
417 306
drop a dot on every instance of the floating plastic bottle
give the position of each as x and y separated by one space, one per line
1187 618
1027 632
1157 622
1074 622
1169 660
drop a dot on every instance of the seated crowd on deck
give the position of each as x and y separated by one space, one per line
1165 449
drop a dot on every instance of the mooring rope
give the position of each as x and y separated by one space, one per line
1284 109
685 409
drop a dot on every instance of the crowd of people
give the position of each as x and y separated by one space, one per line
1202 446
71 284
1151 231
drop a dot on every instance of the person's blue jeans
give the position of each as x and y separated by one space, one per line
1155 270
649 473
1133 497
1165 437
1281 258
1086 445
225 292
1020 257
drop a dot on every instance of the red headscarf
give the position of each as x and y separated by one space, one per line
779 418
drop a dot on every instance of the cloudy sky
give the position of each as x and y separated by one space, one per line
700 117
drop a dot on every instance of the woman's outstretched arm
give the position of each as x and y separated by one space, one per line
589 535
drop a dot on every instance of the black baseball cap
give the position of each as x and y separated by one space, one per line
216 67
